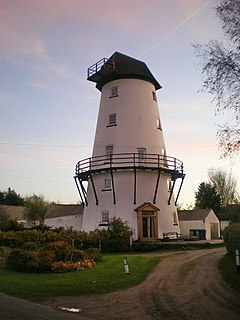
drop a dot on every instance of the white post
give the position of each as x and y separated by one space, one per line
126 266
237 261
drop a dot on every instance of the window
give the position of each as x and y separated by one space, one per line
154 95
105 216
169 185
107 184
141 156
109 152
114 92
159 124
175 222
112 119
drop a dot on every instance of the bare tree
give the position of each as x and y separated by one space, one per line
221 69
225 184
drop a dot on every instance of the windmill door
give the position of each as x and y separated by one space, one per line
147 222
148 225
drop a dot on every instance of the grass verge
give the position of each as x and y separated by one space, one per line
106 276
228 270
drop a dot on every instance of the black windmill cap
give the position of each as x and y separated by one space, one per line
120 66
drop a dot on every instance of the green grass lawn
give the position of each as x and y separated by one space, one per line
228 270
106 276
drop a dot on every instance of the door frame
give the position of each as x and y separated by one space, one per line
152 212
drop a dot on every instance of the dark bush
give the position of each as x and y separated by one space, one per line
93 254
8 239
78 255
23 260
46 258
141 246
31 245
31 261
4 253
231 237
116 238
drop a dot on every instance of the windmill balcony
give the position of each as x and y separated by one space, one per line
129 161
100 69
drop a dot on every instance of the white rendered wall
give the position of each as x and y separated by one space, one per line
137 113
211 218
186 226
66 222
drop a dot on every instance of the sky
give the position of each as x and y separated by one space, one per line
49 109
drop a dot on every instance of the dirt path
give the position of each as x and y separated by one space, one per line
183 286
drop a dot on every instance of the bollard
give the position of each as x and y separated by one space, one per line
126 266
237 261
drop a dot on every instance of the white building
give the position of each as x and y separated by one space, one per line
129 174
200 223
65 216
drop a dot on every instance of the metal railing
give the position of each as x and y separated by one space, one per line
129 161
104 63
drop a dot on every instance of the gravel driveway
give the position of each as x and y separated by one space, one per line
182 286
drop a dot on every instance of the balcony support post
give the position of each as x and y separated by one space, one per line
135 180
94 189
113 186
156 188
180 187
171 191
83 191
79 191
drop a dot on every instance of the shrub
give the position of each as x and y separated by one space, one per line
78 255
62 249
31 245
56 257
93 254
231 237
7 223
23 260
8 239
46 257
117 237
30 261
4 220
4 253
16 239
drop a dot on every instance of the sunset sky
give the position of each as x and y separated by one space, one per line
49 109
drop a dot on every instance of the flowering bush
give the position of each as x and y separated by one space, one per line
61 266
62 249
18 238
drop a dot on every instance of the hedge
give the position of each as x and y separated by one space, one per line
231 237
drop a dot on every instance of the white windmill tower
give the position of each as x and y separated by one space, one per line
129 174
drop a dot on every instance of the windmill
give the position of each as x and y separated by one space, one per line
129 174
